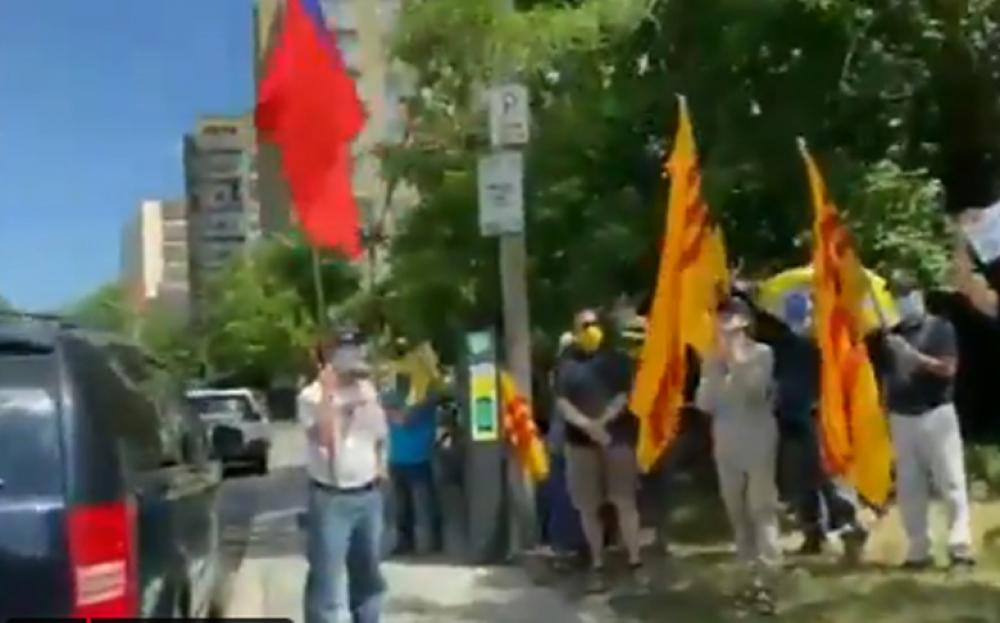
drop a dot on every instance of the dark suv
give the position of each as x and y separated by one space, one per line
107 497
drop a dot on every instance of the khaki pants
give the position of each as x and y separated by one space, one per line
929 451
745 458
596 475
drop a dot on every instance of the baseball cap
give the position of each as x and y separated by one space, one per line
735 313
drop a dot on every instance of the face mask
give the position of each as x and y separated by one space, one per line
911 307
590 338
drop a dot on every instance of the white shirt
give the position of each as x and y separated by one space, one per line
361 429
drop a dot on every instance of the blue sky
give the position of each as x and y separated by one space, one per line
95 96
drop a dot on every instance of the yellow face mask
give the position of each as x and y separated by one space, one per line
590 338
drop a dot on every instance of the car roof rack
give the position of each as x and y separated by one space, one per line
15 314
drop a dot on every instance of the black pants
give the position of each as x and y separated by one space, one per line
820 504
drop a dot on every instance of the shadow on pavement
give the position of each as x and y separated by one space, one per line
499 594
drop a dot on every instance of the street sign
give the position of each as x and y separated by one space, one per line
501 193
510 115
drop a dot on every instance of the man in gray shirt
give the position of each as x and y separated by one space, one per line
918 364
346 431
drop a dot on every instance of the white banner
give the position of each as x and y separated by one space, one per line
982 229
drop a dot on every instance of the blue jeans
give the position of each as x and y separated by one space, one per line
563 520
344 534
417 516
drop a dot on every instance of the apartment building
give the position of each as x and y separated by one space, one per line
221 184
155 259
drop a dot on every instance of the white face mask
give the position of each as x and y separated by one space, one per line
911 307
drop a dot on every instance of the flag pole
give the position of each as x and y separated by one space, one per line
321 319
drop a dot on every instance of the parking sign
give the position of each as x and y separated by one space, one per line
501 193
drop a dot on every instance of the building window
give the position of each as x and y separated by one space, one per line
216 130
175 253
349 45
339 15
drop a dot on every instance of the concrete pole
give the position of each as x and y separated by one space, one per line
517 346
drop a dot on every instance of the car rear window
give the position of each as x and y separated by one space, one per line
220 406
30 456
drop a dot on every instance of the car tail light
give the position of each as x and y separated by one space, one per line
102 556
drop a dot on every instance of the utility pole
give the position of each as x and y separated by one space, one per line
511 100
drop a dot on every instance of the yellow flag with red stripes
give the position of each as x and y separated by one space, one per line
692 278
855 434
520 430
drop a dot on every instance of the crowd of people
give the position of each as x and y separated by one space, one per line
758 389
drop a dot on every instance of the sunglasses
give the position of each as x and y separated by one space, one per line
586 324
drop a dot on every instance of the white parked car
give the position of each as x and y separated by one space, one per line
238 424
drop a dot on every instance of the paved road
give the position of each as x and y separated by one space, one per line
264 551
247 500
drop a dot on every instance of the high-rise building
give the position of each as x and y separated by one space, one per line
223 208
154 258
363 30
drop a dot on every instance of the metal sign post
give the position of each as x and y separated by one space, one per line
501 202
483 466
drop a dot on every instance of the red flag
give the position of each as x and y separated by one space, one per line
309 107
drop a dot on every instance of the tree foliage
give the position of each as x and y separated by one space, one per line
259 318
898 102
104 309
261 315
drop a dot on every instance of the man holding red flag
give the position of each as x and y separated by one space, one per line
308 105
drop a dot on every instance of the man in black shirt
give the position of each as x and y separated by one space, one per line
592 388
823 505
922 357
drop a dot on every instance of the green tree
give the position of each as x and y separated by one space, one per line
170 337
255 326
104 309
873 87
261 313
289 259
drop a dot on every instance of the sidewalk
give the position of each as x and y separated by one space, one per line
269 584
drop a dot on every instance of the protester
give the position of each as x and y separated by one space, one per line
823 506
920 359
346 433
592 387
737 390
412 437
563 529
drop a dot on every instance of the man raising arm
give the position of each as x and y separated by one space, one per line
971 284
